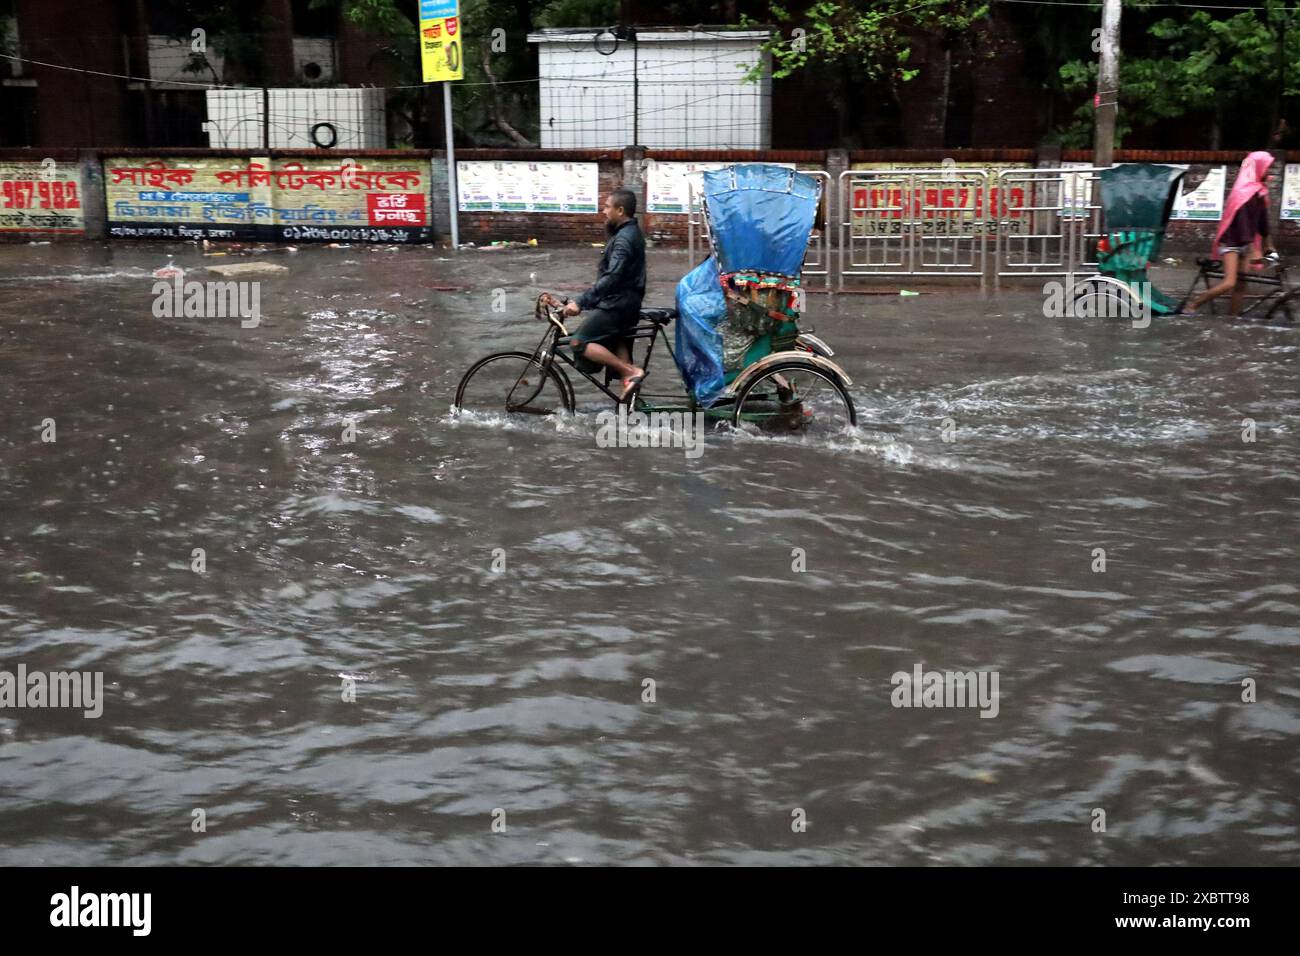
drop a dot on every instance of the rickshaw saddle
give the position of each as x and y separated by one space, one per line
658 316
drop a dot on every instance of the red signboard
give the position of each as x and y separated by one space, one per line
396 209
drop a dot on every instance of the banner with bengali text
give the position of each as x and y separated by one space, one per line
333 200
43 196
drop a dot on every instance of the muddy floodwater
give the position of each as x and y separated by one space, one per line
565 653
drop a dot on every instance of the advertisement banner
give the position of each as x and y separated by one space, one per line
881 205
441 41
1077 191
41 197
337 200
1206 200
509 186
1291 192
670 186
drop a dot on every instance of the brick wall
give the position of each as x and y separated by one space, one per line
1007 106
75 109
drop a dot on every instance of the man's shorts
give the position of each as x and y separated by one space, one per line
605 327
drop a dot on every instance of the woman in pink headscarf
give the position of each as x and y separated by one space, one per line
1243 226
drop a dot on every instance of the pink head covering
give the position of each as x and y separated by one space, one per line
1249 184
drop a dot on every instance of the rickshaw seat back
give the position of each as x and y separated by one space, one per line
1139 195
1131 250
1136 200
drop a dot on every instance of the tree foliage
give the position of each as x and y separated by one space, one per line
876 34
1199 65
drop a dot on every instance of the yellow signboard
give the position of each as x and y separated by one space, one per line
441 53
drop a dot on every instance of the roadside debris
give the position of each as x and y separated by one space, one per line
506 244
169 271
246 268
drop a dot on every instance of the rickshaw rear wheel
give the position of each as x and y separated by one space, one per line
1102 297
514 382
795 396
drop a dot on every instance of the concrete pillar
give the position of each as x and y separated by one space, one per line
633 173
1278 169
440 214
94 205
837 162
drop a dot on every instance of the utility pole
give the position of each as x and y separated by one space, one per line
452 194
1280 108
1107 100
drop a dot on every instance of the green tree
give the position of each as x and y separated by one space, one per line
878 34
869 42
1201 66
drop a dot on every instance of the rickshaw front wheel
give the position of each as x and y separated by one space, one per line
516 383
795 396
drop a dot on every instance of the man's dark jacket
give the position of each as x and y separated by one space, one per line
620 283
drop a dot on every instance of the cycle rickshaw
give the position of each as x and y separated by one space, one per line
1137 200
739 349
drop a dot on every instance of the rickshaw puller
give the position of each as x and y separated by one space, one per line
1242 229
614 301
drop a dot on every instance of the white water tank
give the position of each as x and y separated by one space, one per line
668 88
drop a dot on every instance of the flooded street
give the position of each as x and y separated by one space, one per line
497 592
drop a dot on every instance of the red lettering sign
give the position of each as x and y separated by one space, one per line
396 209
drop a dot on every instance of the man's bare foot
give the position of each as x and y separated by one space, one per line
632 383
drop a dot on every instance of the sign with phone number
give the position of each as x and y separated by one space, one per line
882 209
41 196
954 226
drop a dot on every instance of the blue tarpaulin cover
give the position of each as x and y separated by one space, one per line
760 217
701 307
